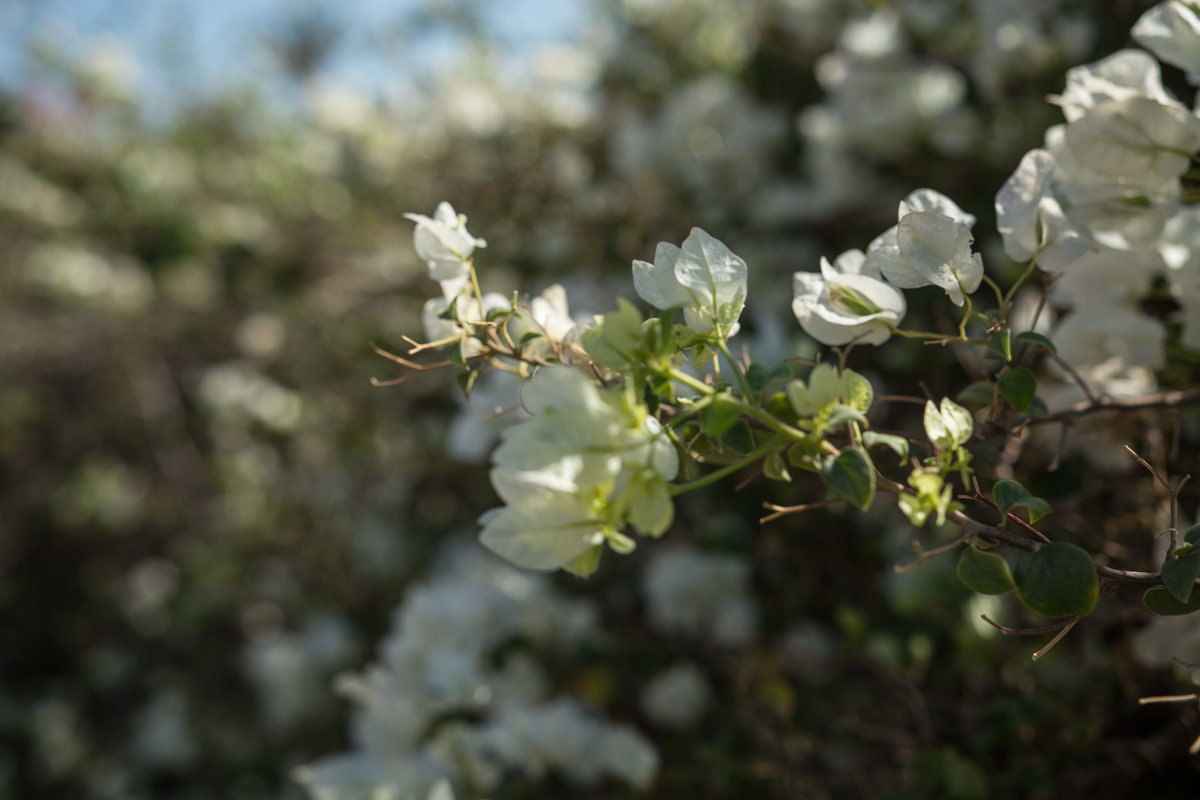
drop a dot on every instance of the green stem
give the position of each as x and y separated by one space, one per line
737 368
718 474
1008 296
687 380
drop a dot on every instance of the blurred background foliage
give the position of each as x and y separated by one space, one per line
207 511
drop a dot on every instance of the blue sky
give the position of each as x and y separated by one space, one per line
195 45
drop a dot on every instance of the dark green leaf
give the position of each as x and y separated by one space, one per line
1010 494
719 416
1193 535
1037 340
757 376
739 438
1057 580
999 345
529 336
1160 600
1018 386
851 475
1038 408
456 356
984 572
1179 575
978 394
466 381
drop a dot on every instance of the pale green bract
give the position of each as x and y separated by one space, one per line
588 463
702 277
948 425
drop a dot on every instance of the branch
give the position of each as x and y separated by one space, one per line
1175 399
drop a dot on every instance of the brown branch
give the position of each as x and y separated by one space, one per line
1008 537
1172 493
1025 526
1174 399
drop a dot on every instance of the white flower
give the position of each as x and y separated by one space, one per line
677 697
446 246
574 474
702 595
1031 222
931 244
1114 348
1171 30
703 277
1135 144
843 304
1124 74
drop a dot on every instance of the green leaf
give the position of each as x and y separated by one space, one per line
758 376
701 355
774 468
1038 408
1037 340
1193 535
456 354
851 475
1179 575
651 510
739 438
857 391
1160 601
898 444
984 572
466 381
585 564
613 341
721 414
1010 494
1057 580
840 415
1018 386
999 345
978 394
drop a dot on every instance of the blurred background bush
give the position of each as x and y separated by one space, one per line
207 511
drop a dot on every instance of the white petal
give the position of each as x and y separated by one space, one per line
543 531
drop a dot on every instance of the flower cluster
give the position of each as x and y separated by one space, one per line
856 299
1105 205
589 462
452 697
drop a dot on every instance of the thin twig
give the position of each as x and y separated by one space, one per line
780 511
1056 639
1087 390
1007 631
1168 698
924 555
1173 494
1025 526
